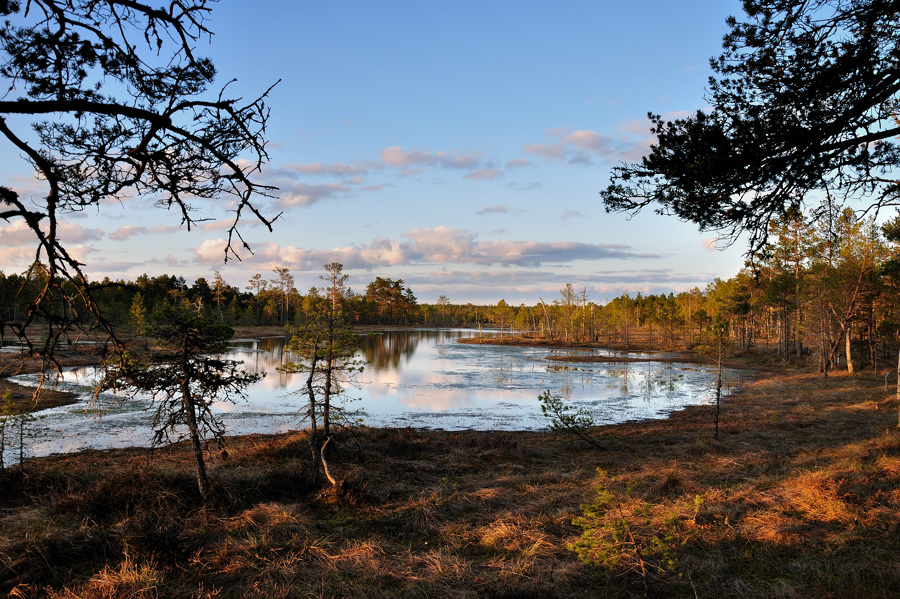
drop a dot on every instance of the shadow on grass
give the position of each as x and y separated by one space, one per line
799 497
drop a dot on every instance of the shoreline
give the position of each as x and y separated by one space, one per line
805 471
35 399
30 399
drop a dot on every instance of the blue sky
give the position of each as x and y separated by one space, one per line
458 146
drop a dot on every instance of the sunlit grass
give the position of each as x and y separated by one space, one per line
799 497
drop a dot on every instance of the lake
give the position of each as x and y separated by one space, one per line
418 378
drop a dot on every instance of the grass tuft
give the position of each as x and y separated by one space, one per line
129 579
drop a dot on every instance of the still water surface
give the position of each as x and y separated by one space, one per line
421 378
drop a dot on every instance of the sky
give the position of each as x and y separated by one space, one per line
458 146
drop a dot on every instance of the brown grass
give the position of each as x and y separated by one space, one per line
800 497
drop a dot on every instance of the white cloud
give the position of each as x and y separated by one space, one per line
529 284
438 245
211 250
578 147
590 141
27 186
79 251
444 245
379 187
15 234
518 162
71 233
333 170
304 194
19 233
547 150
395 156
494 210
485 174
15 259
636 149
128 231
220 225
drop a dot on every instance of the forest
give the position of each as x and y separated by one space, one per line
262 302
820 293
788 487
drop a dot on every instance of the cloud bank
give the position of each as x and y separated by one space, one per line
439 245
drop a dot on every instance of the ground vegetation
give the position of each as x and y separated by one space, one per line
800 497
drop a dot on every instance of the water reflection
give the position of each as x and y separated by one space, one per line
418 378
393 349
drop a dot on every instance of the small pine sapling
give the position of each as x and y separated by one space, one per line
566 419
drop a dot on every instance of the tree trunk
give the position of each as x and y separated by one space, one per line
719 386
326 399
194 430
547 318
873 354
313 429
847 350
328 475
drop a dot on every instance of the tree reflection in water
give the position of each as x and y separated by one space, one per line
416 378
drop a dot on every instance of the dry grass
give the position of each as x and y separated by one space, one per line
799 497
135 581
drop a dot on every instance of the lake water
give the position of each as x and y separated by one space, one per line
421 378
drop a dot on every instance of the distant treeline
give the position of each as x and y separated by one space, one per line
274 301
828 291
